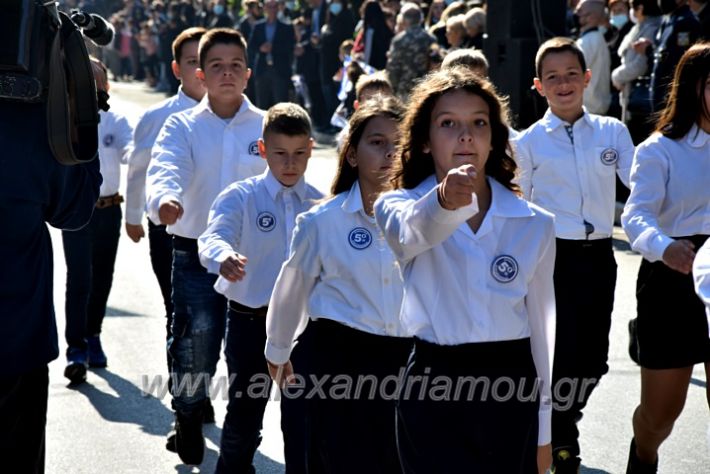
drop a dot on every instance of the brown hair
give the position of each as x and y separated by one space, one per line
414 165
378 81
220 36
559 44
190 34
379 106
685 106
287 118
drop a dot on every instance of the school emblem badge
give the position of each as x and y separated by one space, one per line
265 221
253 148
108 139
504 268
609 156
360 238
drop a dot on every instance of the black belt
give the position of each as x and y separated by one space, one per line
584 244
184 244
108 201
246 310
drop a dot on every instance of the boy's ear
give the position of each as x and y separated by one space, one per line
200 74
262 147
176 70
311 143
587 77
356 104
538 86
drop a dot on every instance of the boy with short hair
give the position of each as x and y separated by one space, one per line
191 91
370 85
246 242
474 59
568 161
198 153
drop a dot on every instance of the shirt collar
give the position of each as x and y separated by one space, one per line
697 137
353 201
246 106
185 99
274 187
505 203
551 121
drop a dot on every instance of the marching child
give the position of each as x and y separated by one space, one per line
198 153
341 273
246 241
569 160
477 263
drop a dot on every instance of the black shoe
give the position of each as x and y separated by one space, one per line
636 466
207 412
189 442
77 363
564 462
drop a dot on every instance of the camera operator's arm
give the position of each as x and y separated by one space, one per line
74 191
169 172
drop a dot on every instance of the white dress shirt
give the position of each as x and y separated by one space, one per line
597 95
114 149
197 155
574 178
254 218
701 275
144 136
464 287
670 196
341 269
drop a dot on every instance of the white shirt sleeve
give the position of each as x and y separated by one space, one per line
540 303
170 169
224 229
525 168
124 138
701 274
649 175
137 169
286 318
626 154
414 226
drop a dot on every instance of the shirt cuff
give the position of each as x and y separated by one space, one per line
446 216
276 355
657 245
134 216
544 419
213 264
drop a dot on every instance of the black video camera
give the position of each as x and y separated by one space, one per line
43 59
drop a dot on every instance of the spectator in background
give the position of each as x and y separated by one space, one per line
374 38
634 70
254 14
473 59
433 16
408 57
339 26
702 12
592 15
456 32
439 29
475 23
221 18
272 42
617 27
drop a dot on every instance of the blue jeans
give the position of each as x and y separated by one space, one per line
198 327
90 255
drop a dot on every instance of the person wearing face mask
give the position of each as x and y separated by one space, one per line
701 10
618 26
339 26
221 17
634 70
592 17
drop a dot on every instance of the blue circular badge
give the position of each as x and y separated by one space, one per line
253 148
108 139
504 268
360 238
609 156
265 221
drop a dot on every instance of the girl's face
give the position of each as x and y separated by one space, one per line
705 120
459 133
454 36
374 152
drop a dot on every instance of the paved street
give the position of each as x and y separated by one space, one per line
108 425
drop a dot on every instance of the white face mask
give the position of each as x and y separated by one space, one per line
619 20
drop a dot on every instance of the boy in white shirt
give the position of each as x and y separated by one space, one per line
569 160
246 242
199 152
90 252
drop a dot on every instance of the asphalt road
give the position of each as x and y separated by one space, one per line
111 425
